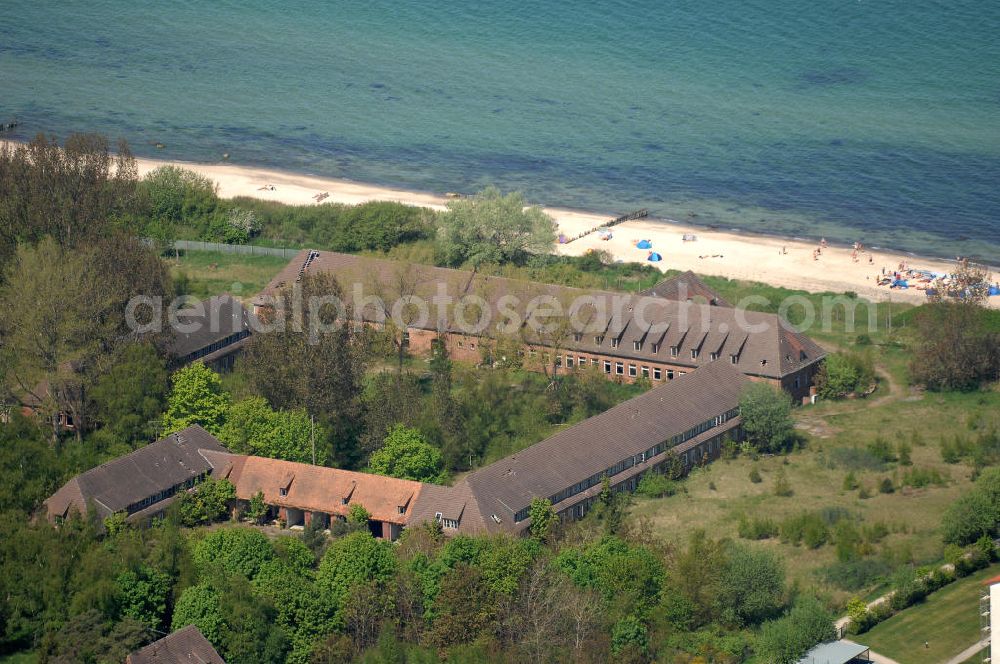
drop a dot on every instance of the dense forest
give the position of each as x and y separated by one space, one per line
71 257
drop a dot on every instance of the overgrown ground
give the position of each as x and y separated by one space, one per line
948 621
211 273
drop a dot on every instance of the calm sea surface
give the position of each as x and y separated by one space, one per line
874 120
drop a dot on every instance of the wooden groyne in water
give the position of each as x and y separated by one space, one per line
8 126
635 214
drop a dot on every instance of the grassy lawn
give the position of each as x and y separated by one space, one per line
948 621
718 495
212 273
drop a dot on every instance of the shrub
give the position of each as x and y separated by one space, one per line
842 374
903 453
886 486
919 478
975 514
755 476
881 450
864 494
655 485
757 528
855 458
855 574
781 485
850 481
806 528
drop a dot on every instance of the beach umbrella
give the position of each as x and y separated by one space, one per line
644 244
655 257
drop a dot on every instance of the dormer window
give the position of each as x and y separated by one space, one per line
345 500
614 343
283 491
636 345
401 509
694 353
674 350
656 348
734 359
599 339
577 337
713 356
763 363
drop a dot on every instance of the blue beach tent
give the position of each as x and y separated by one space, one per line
655 257
994 290
644 244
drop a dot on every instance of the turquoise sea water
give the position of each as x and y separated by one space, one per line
858 120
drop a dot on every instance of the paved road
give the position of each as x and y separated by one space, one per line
968 652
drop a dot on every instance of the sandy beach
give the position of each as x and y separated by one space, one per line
772 260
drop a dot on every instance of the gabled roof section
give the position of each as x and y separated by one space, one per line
119 483
211 320
686 287
185 646
766 341
590 447
321 489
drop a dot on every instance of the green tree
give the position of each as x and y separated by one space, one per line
358 515
629 634
975 514
542 518
237 550
785 640
493 228
844 373
200 606
72 193
130 398
317 366
751 585
252 427
767 417
196 397
208 503
956 347
407 455
351 561
143 595
781 485
256 509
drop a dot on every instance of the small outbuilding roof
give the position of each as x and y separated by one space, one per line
185 646
836 652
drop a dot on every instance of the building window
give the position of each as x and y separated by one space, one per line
657 374
614 343
532 352
558 360
599 339
594 361
581 361
713 356
631 370
694 353
569 361
450 523
607 367
619 368
282 491
645 372
797 381
636 345
656 348
461 344
344 501
401 509
670 374
674 350
734 358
